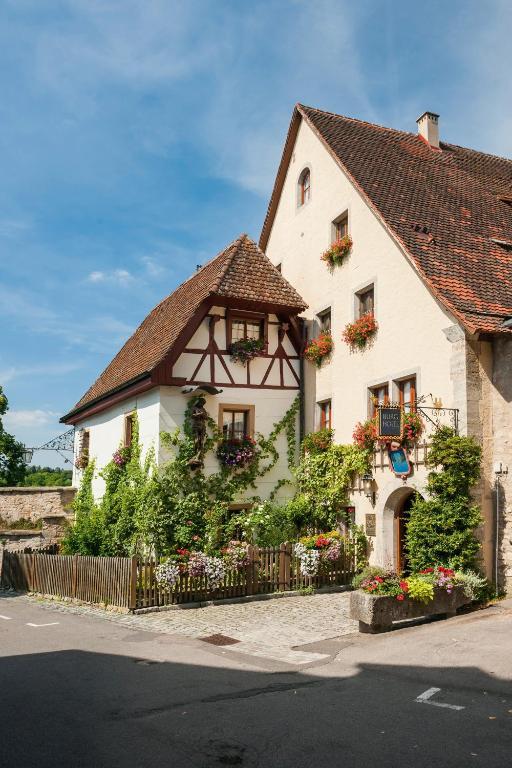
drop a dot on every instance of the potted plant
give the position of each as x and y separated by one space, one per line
357 334
337 251
236 453
244 350
382 597
320 348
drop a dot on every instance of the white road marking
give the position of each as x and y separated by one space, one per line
424 698
6 618
50 624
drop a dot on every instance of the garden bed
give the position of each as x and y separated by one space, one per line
377 613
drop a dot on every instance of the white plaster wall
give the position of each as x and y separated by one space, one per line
106 432
410 339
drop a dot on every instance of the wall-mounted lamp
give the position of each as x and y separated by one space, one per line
369 487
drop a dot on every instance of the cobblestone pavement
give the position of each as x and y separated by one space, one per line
270 628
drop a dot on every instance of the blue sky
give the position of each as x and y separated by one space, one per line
138 137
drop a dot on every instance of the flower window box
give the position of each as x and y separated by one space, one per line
319 349
244 350
336 253
236 453
358 333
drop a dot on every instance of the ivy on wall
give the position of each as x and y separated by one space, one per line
441 528
143 510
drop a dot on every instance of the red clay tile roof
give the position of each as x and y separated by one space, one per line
241 271
453 194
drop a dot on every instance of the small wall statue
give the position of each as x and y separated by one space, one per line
199 417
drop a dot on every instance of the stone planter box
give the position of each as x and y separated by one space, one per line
376 613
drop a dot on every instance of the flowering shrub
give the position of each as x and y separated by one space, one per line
314 551
236 453
474 586
167 574
336 252
365 435
214 570
318 349
236 556
309 559
197 564
412 427
244 350
121 456
356 334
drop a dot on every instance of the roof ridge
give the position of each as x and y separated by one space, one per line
386 128
413 135
234 246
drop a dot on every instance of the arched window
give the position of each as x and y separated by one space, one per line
304 186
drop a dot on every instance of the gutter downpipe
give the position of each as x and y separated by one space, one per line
302 413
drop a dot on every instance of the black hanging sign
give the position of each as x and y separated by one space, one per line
389 422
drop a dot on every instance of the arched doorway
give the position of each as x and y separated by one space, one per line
400 523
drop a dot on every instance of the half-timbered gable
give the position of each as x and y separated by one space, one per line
187 342
207 358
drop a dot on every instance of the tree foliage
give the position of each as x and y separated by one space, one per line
12 465
441 528
46 476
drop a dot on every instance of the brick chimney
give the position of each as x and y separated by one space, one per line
428 128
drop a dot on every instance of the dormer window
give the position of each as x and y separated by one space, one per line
245 325
304 187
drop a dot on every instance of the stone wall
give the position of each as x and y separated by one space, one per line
35 503
502 452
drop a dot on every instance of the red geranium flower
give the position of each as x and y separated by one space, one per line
404 586
427 570
400 597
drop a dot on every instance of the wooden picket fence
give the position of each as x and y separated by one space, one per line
106 580
130 583
270 569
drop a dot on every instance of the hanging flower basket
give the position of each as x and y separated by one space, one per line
335 254
365 435
82 461
319 349
236 453
357 334
245 350
412 428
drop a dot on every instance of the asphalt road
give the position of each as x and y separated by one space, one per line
87 692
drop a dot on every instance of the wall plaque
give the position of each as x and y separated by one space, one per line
389 422
371 524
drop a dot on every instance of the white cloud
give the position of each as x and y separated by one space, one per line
116 276
30 418
96 277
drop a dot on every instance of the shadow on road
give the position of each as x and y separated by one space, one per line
74 708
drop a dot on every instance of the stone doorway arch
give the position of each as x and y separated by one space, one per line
398 498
